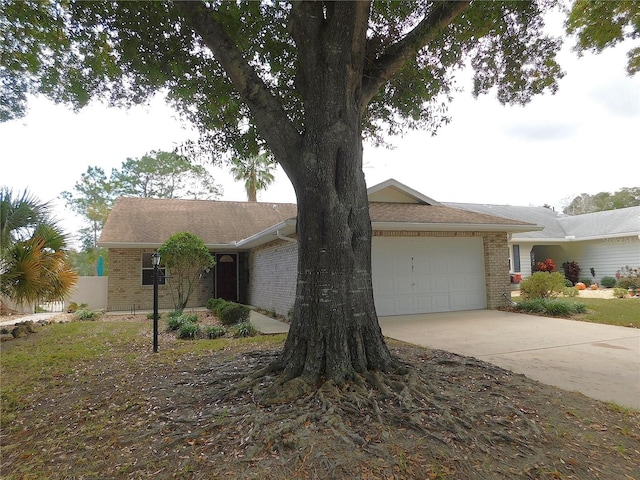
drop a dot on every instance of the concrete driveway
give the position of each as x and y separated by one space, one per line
600 361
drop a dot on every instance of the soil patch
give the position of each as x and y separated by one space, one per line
203 413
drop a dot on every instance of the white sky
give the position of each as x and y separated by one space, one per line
584 139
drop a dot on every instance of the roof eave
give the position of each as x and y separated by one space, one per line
573 238
210 246
457 227
285 228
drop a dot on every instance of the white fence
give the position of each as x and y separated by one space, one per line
92 291
89 290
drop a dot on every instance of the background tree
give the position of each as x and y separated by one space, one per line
601 201
85 261
163 175
599 24
157 174
307 80
185 257
33 258
92 199
255 171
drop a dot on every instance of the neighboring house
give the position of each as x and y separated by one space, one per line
605 241
426 256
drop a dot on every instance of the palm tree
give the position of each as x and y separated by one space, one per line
33 257
255 171
19 216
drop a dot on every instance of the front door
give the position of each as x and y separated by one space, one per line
227 276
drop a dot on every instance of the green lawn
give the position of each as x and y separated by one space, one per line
613 311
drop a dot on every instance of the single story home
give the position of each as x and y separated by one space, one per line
426 256
603 241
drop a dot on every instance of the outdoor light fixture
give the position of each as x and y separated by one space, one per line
155 260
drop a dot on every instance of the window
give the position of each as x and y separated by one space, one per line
147 270
516 258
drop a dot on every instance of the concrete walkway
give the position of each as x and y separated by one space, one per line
267 325
600 361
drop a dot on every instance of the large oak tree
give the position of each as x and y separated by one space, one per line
307 80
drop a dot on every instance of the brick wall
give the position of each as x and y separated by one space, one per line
496 268
272 278
125 289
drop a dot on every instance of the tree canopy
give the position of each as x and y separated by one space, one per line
585 203
599 24
122 52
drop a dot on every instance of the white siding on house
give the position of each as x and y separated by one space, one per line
272 279
607 256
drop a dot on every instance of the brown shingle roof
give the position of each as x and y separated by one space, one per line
417 213
153 221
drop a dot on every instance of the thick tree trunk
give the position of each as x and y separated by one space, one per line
334 332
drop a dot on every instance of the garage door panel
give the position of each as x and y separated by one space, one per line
427 275
384 285
439 284
404 306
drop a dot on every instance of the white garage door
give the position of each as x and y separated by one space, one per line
424 275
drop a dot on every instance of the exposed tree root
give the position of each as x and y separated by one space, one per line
424 399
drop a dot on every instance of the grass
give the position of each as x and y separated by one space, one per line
623 312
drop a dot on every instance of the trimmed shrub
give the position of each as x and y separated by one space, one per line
74 307
608 282
215 305
233 313
553 307
215 332
619 292
85 314
189 331
176 322
244 329
586 281
150 316
542 285
628 277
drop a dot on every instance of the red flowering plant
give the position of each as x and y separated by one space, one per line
547 266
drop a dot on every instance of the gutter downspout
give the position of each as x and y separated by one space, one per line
282 237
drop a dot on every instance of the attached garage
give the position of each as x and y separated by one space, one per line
427 275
